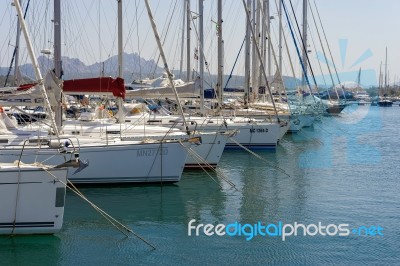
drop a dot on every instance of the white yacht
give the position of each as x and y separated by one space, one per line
32 198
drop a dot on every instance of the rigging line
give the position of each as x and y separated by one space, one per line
319 63
327 43
323 50
259 157
138 39
305 49
165 36
99 38
287 50
295 44
182 45
202 49
15 49
80 32
290 63
261 63
45 28
175 47
153 54
234 64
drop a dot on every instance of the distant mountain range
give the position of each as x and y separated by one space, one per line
74 68
134 67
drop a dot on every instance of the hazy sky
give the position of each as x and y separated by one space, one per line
357 31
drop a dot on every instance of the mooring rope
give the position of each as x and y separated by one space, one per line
118 225
259 157
201 161
211 168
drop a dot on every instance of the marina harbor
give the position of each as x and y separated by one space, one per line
199 132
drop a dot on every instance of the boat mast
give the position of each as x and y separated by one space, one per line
304 57
188 20
280 35
220 54
380 79
120 60
16 65
255 64
264 28
385 90
247 59
57 39
120 49
57 57
262 67
268 43
169 74
183 40
35 63
359 78
201 54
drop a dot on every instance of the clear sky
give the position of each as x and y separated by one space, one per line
358 31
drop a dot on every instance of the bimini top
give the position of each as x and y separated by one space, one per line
99 86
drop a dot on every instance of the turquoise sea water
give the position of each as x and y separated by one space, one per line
342 170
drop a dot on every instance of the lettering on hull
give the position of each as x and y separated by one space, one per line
151 152
258 130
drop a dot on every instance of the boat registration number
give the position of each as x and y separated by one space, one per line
151 152
258 130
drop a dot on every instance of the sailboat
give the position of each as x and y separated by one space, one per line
139 124
32 198
361 96
384 101
112 160
160 87
204 155
251 133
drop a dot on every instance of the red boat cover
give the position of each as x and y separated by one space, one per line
25 87
96 85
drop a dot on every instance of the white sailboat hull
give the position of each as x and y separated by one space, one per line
299 121
31 200
211 149
208 154
117 162
132 163
252 136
